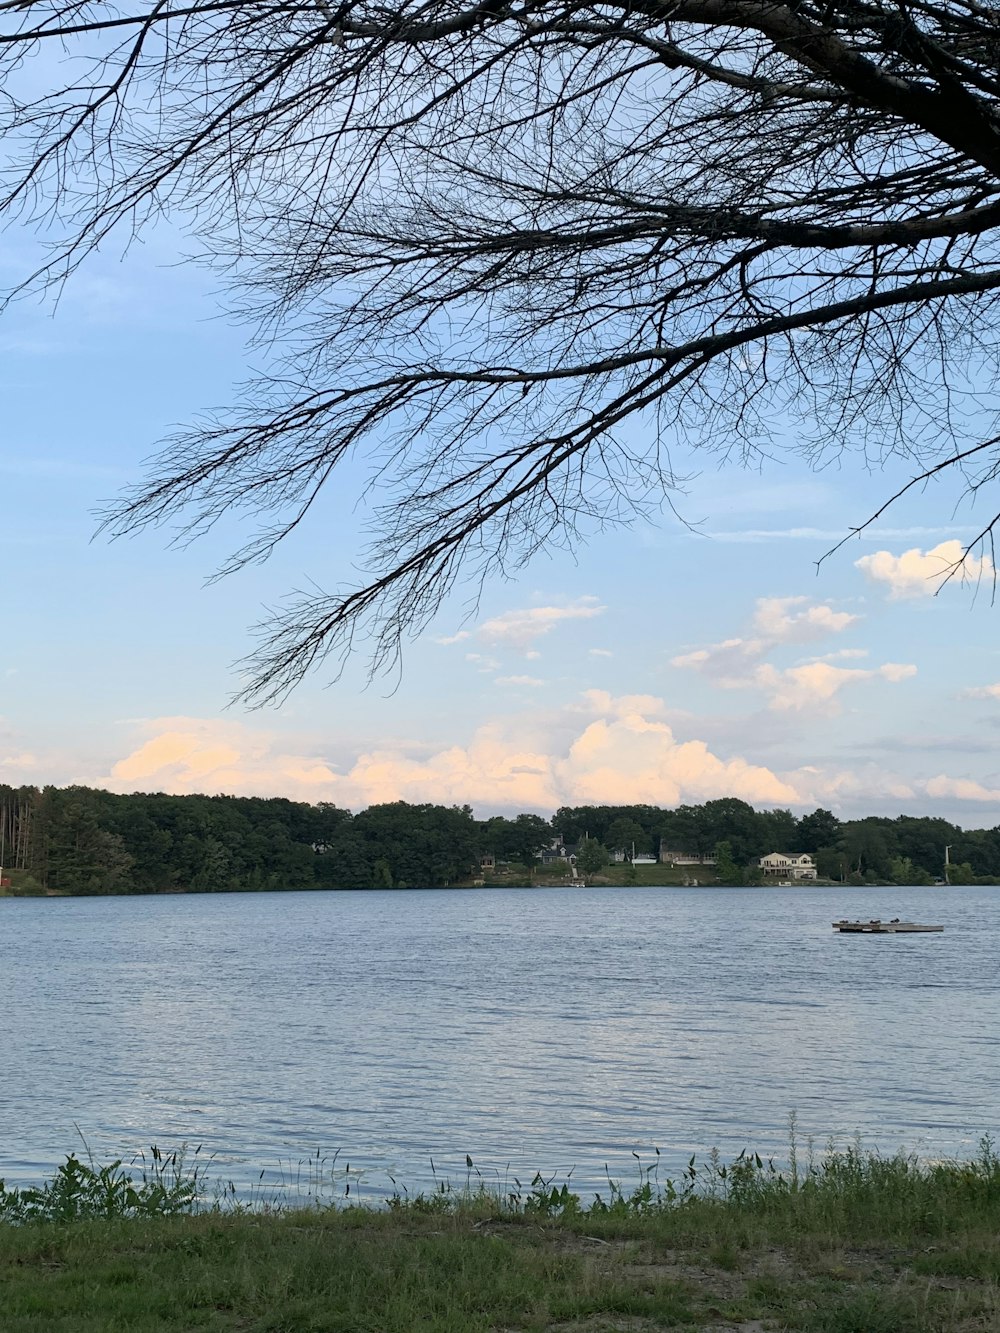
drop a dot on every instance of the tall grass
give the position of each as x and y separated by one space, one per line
163 1185
843 1241
850 1191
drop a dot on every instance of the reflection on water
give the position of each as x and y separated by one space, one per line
550 1029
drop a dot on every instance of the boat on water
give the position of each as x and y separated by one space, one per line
879 927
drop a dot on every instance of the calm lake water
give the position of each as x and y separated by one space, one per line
548 1029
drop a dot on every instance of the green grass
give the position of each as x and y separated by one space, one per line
847 1243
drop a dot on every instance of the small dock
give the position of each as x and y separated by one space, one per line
877 927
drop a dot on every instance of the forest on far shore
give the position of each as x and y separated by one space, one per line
82 840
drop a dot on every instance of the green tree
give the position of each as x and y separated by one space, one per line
518 839
776 831
80 855
726 869
869 846
831 862
903 871
214 875
623 834
686 830
961 873
425 845
736 823
820 829
591 857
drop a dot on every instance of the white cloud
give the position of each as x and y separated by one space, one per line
917 573
25 761
833 534
519 680
601 749
873 789
600 652
865 789
484 664
630 758
815 684
730 663
737 664
897 671
520 628
841 655
962 789
981 692
196 754
793 620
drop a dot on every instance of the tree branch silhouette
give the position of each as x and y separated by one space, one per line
509 253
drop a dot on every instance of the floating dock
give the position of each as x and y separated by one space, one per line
877 927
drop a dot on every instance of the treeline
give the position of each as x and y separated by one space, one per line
82 840
904 849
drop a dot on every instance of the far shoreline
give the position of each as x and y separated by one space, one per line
35 895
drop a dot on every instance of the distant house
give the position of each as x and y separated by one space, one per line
557 850
788 865
673 858
487 861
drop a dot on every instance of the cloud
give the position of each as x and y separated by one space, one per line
776 621
600 652
730 664
601 748
519 680
485 664
25 761
866 789
630 758
897 671
917 573
815 684
833 534
841 655
186 755
737 664
962 789
981 692
793 620
520 628
871 789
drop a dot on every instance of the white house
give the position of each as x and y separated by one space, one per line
788 865
686 858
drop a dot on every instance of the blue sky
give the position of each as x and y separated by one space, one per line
661 664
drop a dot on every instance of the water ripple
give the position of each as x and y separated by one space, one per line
401 1027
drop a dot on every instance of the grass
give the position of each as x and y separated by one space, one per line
847 1243
557 875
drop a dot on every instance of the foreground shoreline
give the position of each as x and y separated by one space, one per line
851 1244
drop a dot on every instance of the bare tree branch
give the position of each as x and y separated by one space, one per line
509 253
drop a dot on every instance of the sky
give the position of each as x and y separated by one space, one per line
670 662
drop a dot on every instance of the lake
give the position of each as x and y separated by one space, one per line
554 1029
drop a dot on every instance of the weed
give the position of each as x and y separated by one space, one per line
161 1187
